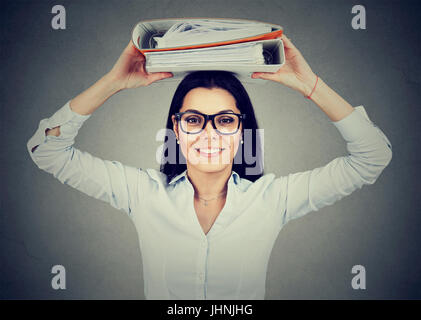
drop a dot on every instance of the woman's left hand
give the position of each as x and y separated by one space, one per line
295 73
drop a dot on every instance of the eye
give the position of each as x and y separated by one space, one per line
226 120
193 120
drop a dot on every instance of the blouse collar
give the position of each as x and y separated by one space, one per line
235 177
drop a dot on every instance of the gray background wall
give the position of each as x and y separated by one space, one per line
44 223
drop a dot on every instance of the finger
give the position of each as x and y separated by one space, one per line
287 42
132 50
129 46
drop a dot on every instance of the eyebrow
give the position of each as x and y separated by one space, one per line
226 110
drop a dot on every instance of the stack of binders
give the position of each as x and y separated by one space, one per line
185 45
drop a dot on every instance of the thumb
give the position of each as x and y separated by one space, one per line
152 77
264 75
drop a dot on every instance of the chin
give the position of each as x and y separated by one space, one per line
211 168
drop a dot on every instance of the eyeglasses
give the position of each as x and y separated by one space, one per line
193 122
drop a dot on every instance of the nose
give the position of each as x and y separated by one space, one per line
211 132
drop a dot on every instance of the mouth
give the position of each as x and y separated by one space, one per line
214 152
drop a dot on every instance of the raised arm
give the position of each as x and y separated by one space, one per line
51 147
370 151
128 72
297 75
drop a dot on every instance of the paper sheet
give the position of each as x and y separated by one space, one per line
242 53
207 31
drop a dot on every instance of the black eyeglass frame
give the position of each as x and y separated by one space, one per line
241 117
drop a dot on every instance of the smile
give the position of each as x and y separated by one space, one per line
210 152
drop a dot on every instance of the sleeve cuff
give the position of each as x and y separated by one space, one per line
60 117
354 125
65 114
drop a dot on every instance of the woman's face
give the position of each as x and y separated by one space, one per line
198 148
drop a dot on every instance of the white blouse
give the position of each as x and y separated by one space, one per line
230 261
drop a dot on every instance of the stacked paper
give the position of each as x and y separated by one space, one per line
242 53
205 31
185 45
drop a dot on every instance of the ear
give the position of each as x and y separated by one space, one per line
175 125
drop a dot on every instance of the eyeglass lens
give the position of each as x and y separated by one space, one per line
225 123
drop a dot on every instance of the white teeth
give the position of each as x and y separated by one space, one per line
210 150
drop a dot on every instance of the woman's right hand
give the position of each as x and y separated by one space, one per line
129 70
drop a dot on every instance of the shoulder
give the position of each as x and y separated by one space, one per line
153 176
269 190
266 181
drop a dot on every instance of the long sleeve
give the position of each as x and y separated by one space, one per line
109 181
370 152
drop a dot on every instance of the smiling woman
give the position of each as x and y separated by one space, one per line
206 227
209 112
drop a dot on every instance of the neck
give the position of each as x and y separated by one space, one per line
208 184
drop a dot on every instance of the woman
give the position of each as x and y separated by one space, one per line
206 228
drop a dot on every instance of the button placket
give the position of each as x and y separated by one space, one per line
201 267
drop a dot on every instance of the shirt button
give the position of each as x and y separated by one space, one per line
201 276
